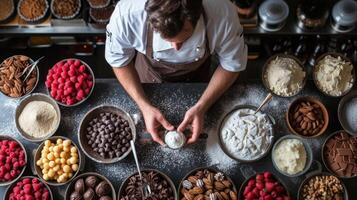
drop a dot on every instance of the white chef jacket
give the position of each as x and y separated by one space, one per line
127 33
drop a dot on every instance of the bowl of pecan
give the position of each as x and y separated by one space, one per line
307 117
13 72
207 183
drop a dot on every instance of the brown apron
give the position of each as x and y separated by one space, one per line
154 71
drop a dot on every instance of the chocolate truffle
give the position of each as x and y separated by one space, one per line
89 194
105 198
79 186
102 189
75 196
91 181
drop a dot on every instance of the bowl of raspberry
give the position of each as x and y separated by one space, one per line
70 82
13 159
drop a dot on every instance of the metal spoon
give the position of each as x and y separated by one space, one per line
145 187
31 67
265 101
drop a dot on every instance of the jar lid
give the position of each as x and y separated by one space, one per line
274 11
345 12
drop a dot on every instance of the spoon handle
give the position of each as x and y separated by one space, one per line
266 100
135 157
32 68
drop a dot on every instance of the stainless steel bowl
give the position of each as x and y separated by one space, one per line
84 124
21 106
70 187
167 178
37 79
312 175
223 147
323 156
5 137
8 190
265 66
341 112
37 156
90 93
309 156
192 172
333 54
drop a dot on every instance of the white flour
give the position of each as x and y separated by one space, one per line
246 136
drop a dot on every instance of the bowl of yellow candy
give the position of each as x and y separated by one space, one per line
57 161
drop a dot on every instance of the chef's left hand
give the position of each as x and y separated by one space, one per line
194 117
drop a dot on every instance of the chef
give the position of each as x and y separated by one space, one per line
155 41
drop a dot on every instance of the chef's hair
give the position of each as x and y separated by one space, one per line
168 16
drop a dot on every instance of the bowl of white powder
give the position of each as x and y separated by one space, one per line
284 75
334 74
291 156
245 136
37 117
347 112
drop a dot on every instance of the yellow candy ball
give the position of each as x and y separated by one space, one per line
47 143
67 143
59 141
52 164
66 168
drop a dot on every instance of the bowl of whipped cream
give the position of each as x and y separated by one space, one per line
245 136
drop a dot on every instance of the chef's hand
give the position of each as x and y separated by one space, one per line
194 117
154 119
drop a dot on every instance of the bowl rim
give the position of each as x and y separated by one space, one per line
220 139
37 153
333 54
82 144
91 91
32 177
86 174
324 112
18 112
213 169
100 6
308 151
7 137
36 83
341 105
35 20
245 182
314 174
167 178
66 17
323 156
265 67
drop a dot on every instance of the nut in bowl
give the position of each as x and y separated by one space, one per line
13 160
207 183
57 161
340 155
70 82
334 74
90 186
307 117
105 133
12 76
162 187
28 187
37 117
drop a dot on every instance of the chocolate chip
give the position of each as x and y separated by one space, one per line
91 181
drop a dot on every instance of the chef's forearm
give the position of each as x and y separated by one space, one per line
219 83
129 79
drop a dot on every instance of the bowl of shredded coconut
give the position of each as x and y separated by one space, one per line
284 75
245 136
334 74
37 117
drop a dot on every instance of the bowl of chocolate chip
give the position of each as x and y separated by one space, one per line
339 154
32 11
162 187
207 183
105 133
90 186
65 9
12 82
307 117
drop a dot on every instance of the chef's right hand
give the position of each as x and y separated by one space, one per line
154 119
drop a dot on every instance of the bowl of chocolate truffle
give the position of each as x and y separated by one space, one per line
105 133
161 186
90 186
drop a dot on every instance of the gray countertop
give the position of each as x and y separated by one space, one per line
173 100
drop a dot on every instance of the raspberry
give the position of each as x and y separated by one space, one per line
82 68
77 63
